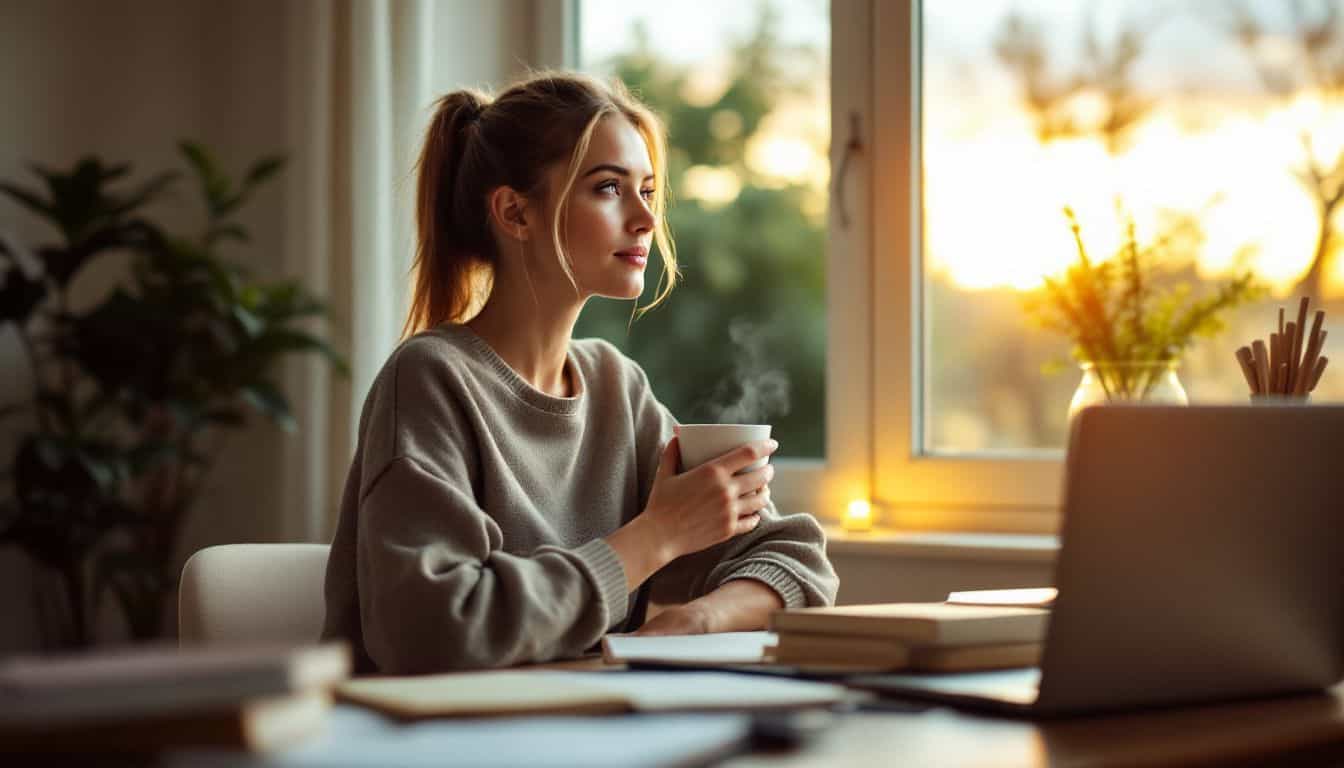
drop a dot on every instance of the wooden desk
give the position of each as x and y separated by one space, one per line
1305 730
1297 731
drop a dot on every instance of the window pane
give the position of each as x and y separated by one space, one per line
1217 131
744 89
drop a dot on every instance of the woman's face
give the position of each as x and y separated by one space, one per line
608 229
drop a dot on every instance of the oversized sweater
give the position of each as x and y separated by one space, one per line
472 523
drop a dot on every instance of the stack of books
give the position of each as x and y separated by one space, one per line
925 637
147 699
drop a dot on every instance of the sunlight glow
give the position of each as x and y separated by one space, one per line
713 186
994 196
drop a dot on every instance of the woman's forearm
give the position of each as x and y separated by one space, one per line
738 606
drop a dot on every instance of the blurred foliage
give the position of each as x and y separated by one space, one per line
1130 309
756 266
131 397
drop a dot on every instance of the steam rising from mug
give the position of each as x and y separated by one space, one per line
754 392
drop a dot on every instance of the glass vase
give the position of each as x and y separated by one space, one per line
1127 381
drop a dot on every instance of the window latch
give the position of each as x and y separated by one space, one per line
853 146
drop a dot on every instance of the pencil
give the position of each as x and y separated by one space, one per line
1320 368
1296 362
1261 364
1280 321
1290 332
1309 359
1275 359
1281 379
1247 361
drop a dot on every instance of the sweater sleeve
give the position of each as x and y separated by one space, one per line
437 592
787 553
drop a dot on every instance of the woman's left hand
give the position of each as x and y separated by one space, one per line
688 619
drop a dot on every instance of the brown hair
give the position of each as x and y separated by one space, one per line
476 144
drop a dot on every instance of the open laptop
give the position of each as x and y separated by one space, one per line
1201 559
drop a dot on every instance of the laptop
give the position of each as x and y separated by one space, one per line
1201 560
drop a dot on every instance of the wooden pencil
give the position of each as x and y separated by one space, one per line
1280 321
1261 364
1281 379
1247 361
1297 339
1276 357
1309 358
1290 334
1321 362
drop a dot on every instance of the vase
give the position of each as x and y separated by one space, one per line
1128 382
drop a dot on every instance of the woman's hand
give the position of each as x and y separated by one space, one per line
701 507
688 619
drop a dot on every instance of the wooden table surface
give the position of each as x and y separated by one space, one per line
1305 730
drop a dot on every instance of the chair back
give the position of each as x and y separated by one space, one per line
234 594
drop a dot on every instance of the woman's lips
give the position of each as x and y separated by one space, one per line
635 258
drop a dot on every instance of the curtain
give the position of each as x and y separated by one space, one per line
359 100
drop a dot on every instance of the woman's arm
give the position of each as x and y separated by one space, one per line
737 606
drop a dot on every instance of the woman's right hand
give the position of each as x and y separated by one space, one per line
709 504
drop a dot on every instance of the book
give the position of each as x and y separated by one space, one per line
538 692
938 624
713 648
256 725
1031 597
881 654
143 681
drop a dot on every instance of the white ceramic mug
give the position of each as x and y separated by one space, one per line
702 442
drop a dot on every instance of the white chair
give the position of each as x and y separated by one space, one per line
252 593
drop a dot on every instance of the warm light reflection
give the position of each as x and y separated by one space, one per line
858 516
994 194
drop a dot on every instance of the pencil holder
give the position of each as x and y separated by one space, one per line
1289 366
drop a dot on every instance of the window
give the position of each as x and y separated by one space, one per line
1221 124
755 331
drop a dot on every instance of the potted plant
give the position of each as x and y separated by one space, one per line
1130 317
131 397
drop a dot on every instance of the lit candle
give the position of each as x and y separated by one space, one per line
859 516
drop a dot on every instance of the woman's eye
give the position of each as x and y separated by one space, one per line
647 193
611 186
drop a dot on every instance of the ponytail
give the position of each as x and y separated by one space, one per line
453 243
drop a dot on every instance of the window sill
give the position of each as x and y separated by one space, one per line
942 545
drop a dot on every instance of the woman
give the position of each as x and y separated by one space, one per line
514 489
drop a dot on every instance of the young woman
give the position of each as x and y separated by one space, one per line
514 492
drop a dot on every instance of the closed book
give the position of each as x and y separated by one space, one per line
119 684
539 692
881 654
919 623
255 725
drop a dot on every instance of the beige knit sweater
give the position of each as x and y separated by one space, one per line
472 523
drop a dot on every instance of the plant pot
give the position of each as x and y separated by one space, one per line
1128 382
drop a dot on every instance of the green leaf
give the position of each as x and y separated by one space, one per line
268 401
252 325
31 201
262 170
214 184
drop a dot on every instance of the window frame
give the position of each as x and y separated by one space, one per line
915 488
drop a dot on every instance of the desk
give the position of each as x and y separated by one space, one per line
1304 730
1299 731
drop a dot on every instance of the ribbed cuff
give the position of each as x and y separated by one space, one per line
608 575
774 577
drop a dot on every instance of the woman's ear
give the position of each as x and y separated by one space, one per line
508 212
